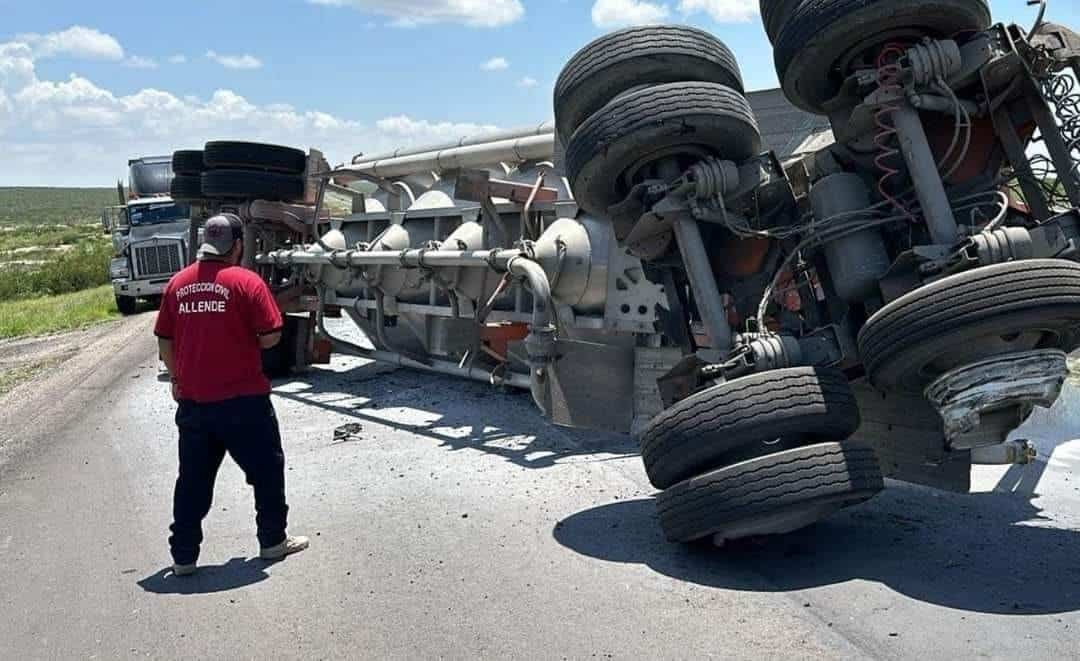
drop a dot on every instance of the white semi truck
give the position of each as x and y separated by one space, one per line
150 234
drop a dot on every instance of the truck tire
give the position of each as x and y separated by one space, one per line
188 162
774 494
254 156
1004 308
252 185
747 417
637 57
125 304
686 121
818 35
774 14
186 187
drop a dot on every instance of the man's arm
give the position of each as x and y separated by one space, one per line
164 329
165 350
270 339
266 319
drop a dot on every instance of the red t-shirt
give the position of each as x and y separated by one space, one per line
214 314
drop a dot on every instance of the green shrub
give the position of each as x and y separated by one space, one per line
86 266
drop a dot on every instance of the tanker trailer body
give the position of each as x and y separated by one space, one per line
781 330
473 259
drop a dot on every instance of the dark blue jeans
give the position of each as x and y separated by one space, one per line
246 428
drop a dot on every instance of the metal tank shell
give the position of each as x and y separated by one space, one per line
472 283
574 255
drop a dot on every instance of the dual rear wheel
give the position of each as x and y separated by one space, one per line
817 44
764 454
639 103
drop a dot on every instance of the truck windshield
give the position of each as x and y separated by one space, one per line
153 214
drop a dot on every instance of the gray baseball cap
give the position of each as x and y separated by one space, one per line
219 233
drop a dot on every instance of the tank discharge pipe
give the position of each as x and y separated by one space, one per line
413 258
540 343
532 148
544 128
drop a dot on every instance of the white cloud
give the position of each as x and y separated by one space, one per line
177 59
5 110
75 132
610 14
495 64
140 62
421 131
722 11
76 41
410 13
528 82
16 66
244 61
621 13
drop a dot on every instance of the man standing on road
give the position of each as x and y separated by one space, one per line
215 319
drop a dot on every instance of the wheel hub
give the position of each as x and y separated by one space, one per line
985 348
981 402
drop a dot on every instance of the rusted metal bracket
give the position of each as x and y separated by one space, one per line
477 186
1059 42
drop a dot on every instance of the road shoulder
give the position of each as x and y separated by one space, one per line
71 369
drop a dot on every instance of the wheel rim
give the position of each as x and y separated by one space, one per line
676 158
987 346
818 46
864 53
913 367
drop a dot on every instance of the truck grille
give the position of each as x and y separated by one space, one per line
161 259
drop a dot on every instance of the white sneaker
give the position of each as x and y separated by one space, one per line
288 547
184 570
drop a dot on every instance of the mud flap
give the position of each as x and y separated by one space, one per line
909 438
592 386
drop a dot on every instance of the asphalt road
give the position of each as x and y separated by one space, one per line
456 524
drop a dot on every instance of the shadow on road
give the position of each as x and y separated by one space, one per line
508 424
235 573
989 553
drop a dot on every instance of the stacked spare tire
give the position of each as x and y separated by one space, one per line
763 454
239 171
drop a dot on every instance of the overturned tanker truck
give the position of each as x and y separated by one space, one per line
781 325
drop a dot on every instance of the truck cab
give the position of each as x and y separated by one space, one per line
150 243
150 233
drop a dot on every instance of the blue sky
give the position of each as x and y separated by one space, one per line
84 85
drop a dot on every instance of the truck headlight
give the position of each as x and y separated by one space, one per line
118 269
